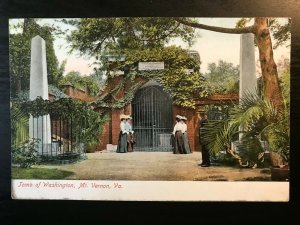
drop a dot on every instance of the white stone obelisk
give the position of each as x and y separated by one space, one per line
248 79
39 127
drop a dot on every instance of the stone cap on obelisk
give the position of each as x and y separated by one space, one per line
38 69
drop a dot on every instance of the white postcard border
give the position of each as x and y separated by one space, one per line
150 190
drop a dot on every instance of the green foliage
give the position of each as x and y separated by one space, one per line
40 173
105 100
19 60
257 119
217 135
284 79
142 40
242 22
222 78
224 159
182 85
93 124
26 154
250 148
91 148
81 82
57 92
280 28
87 124
281 31
217 111
19 55
19 125
94 36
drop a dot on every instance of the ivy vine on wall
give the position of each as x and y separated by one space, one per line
86 123
181 76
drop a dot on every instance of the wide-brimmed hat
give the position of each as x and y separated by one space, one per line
178 117
183 118
123 116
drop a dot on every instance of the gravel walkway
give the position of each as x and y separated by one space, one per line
155 166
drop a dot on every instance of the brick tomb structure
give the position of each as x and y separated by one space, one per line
111 129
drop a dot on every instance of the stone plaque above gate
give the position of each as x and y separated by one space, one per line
151 66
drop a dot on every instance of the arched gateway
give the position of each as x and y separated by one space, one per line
152 118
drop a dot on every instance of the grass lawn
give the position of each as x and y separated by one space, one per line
39 173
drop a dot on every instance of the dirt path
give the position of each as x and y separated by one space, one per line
154 166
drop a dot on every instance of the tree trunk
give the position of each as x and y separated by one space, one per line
18 86
272 90
27 23
260 29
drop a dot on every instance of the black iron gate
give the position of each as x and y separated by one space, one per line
152 119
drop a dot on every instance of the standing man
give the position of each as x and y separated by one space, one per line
204 149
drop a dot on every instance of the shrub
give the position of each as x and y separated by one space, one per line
91 148
26 154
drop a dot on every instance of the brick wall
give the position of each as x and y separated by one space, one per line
112 128
115 130
104 137
74 92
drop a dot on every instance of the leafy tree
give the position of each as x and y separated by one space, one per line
94 35
98 36
281 30
261 30
19 125
19 55
284 79
82 82
180 78
142 39
222 78
98 76
26 154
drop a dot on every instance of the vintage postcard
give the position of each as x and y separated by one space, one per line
150 108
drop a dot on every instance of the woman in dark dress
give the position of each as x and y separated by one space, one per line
122 142
130 139
187 146
178 145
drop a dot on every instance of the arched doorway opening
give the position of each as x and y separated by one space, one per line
152 118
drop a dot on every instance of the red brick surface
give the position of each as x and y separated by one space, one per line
192 124
104 137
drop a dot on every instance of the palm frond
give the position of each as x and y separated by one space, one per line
218 134
19 126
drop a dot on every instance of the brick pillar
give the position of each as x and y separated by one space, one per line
104 138
127 109
191 122
115 129
190 114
